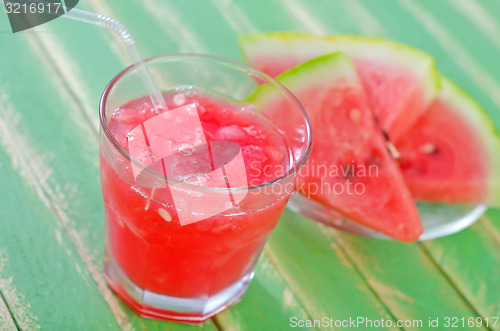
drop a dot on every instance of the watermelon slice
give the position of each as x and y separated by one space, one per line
452 153
400 81
350 169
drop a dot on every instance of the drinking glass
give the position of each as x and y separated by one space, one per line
180 250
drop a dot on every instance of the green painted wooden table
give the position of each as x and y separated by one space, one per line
51 212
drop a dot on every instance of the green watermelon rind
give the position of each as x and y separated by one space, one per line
482 125
312 71
310 45
337 64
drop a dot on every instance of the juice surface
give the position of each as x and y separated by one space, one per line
144 236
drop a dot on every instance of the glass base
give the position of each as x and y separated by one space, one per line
187 310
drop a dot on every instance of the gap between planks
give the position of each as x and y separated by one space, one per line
269 253
7 322
445 275
18 309
328 231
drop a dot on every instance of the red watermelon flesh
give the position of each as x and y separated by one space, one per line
452 153
400 81
350 169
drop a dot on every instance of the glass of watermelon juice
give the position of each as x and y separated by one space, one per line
192 193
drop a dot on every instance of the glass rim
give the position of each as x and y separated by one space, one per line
297 165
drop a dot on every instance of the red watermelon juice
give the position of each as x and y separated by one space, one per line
163 268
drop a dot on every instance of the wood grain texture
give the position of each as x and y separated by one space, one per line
493 220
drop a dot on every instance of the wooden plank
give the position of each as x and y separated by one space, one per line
269 303
324 278
454 54
470 259
478 30
303 14
235 16
401 275
41 276
172 26
157 28
43 160
6 321
262 15
405 279
493 220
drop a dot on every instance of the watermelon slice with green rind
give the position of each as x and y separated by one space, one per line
347 141
452 153
400 81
